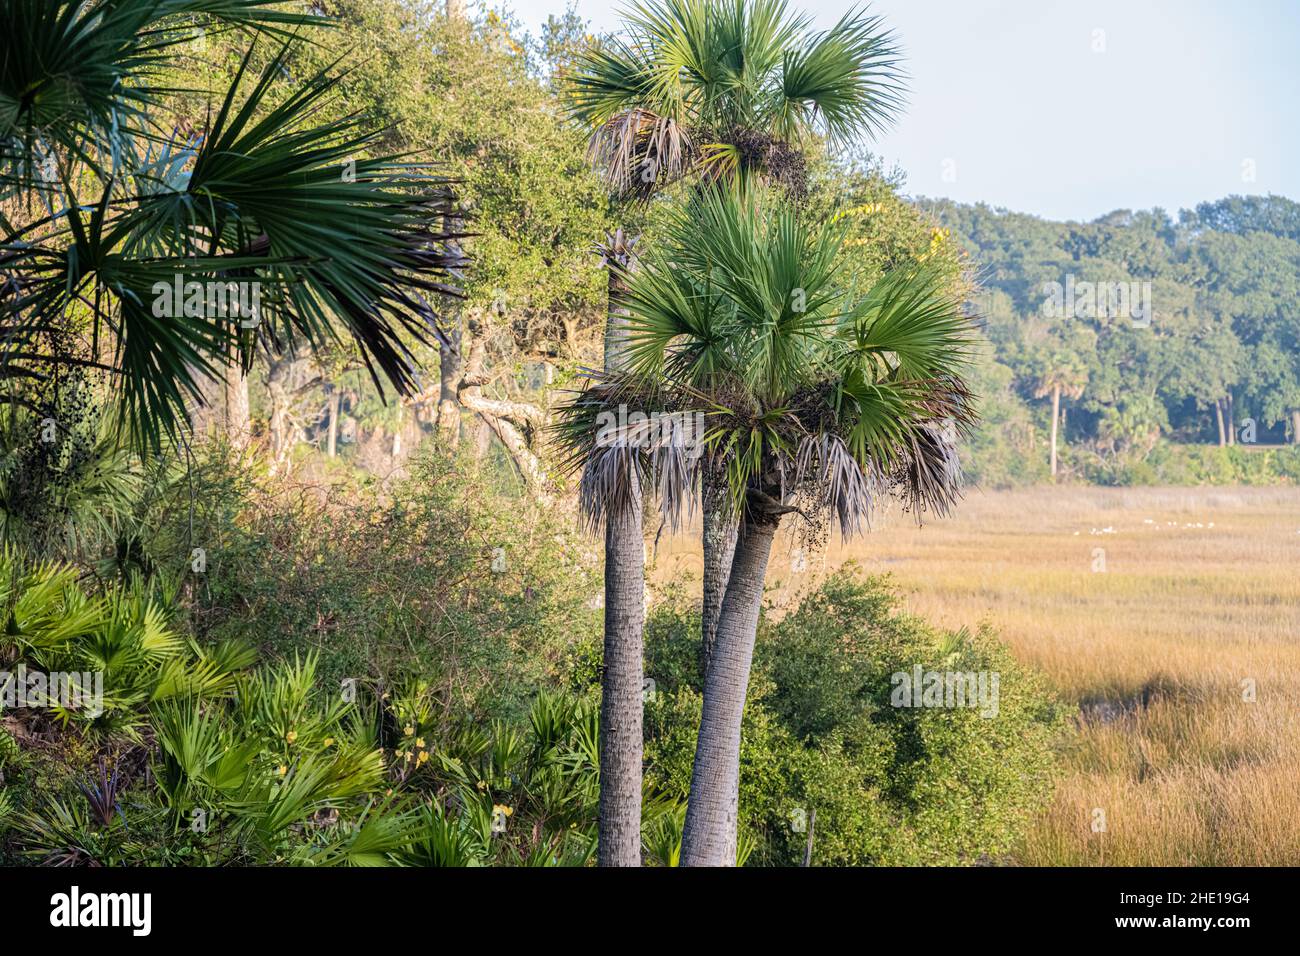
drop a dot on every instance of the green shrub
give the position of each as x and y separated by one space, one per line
480 593
889 785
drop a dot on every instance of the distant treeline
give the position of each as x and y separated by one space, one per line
1140 330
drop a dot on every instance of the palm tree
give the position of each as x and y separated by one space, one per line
725 90
722 88
110 212
820 404
1064 375
621 738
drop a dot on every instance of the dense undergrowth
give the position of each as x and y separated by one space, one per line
331 669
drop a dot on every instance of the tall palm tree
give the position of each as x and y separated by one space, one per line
621 737
104 207
722 90
820 403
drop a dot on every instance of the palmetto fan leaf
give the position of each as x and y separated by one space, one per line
366 236
844 81
77 79
342 242
749 295
910 321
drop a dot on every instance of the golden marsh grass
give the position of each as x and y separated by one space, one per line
1198 601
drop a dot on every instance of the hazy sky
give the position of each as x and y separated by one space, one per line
1070 109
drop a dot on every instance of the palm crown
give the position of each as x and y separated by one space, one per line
728 86
807 386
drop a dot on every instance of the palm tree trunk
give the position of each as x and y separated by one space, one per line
1218 414
1295 426
719 543
709 838
620 699
1056 417
1230 421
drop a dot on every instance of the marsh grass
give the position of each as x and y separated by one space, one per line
1201 592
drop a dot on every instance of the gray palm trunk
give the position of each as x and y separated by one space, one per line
620 699
709 838
719 544
1056 418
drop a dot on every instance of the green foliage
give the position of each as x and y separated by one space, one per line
479 592
282 764
434 575
66 486
1223 341
123 638
1174 464
466 97
890 785
230 786
116 209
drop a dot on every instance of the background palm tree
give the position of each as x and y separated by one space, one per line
102 205
1065 376
820 404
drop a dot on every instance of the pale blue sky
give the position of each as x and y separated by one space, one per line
1010 104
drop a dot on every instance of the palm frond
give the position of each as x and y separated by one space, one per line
847 487
344 244
909 323
77 80
842 82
